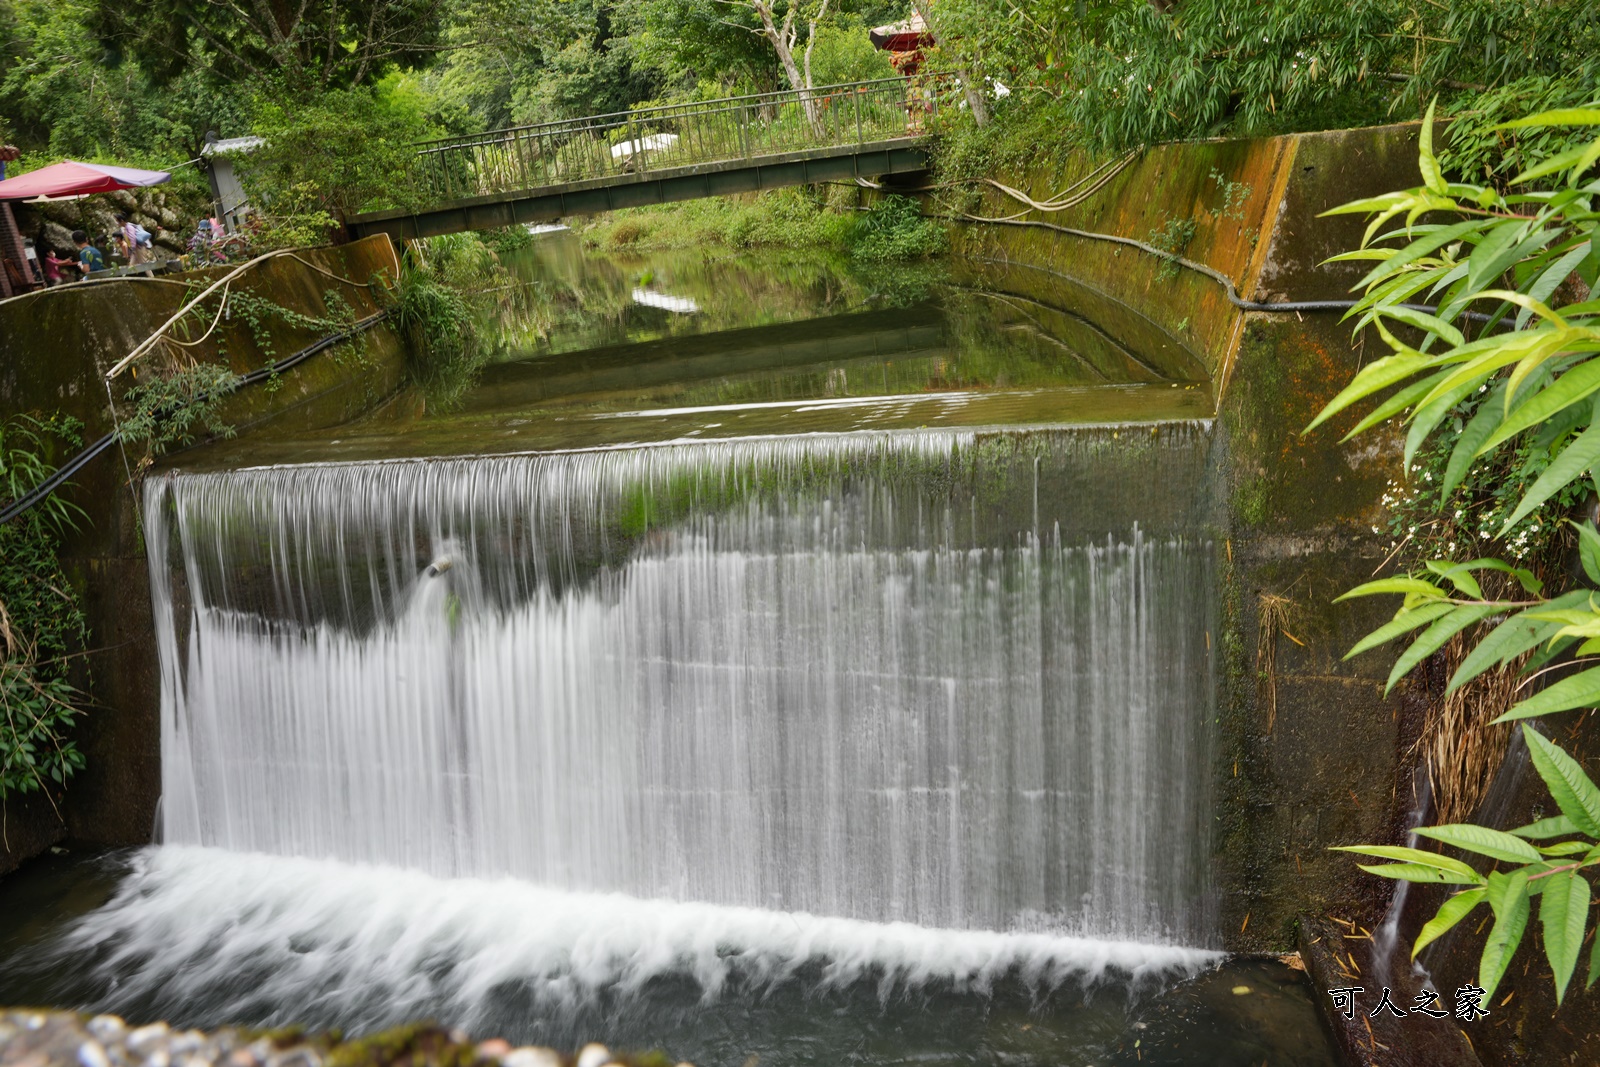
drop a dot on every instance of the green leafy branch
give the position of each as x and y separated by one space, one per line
1547 871
1506 353
41 625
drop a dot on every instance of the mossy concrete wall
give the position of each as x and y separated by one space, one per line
55 349
1310 745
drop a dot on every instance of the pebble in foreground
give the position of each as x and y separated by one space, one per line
67 1039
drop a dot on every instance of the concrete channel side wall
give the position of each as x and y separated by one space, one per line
55 348
1313 754
1310 747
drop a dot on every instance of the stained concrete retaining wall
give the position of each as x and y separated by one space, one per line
1313 754
55 348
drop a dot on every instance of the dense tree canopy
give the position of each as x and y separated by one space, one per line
144 82
310 45
1118 73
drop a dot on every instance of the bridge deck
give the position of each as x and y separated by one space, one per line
657 155
593 195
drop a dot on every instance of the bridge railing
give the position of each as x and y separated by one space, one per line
672 135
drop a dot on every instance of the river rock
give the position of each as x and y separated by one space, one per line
68 1039
530 1057
106 1028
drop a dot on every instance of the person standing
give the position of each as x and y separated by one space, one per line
90 258
135 241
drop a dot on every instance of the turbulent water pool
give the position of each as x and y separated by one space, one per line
209 937
762 661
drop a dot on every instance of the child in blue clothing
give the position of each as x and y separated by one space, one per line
89 257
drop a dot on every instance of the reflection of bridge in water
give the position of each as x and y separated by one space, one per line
531 174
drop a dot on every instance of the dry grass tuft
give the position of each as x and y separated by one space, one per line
1459 747
1273 614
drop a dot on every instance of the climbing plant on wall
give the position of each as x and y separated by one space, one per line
1505 368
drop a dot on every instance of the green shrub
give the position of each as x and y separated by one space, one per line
445 347
41 625
893 228
1508 410
348 151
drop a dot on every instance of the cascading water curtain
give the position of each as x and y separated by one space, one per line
959 680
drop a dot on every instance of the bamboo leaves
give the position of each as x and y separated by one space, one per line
1519 374
1452 911
1552 872
1573 791
1564 911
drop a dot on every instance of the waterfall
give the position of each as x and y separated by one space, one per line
959 680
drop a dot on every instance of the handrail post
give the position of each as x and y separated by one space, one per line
634 147
857 95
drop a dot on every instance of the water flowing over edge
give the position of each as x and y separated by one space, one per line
276 939
935 439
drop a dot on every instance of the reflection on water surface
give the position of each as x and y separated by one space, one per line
598 351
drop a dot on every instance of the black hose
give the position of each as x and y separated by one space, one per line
1210 272
39 492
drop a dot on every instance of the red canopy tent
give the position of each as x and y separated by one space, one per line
70 178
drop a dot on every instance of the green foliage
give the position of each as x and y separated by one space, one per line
64 100
1234 196
719 44
893 228
844 53
349 151
1116 74
1480 147
306 47
436 296
1172 238
1425 524
41 625
1551 871
796 218
173 408
1506 406
506 239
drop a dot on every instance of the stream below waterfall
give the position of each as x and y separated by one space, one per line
763 662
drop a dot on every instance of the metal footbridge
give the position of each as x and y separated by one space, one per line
654 155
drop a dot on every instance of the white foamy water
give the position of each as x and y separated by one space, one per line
902 677
214 935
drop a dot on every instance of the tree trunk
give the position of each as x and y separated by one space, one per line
783 41
975 98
